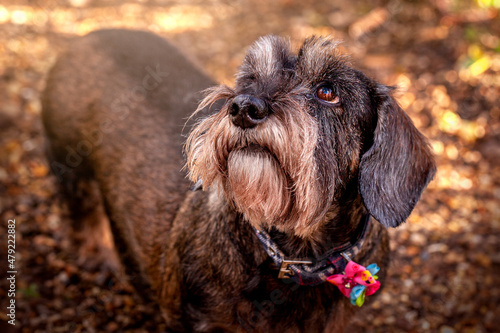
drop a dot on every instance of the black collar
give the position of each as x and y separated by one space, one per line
308 272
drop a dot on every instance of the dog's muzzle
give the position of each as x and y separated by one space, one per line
247 111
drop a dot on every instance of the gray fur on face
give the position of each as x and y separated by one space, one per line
315 175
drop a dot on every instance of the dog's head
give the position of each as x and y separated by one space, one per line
296 129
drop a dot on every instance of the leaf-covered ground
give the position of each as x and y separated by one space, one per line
442 54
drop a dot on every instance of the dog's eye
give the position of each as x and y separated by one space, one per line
326 94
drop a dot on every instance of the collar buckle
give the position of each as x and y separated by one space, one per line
286 272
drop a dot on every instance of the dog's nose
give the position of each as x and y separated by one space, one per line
247 111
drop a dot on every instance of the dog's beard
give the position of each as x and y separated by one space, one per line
257 185
268 172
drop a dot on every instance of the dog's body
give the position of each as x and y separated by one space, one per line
281 155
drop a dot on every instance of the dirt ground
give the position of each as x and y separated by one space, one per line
444 55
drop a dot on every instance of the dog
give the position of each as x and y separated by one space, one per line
298 171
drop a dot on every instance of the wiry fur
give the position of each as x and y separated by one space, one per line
271 173
268 172
307 173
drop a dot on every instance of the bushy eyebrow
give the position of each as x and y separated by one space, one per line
320 56
267 56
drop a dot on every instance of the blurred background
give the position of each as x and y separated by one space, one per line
444 56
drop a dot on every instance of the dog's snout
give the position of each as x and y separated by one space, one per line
247 111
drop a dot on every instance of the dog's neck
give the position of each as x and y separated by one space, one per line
340 225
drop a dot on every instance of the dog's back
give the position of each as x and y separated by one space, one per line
114 110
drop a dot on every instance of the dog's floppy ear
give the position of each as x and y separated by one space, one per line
397 167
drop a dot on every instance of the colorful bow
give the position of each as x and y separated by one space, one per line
357 282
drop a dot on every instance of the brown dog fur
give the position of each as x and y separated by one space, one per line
114 111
